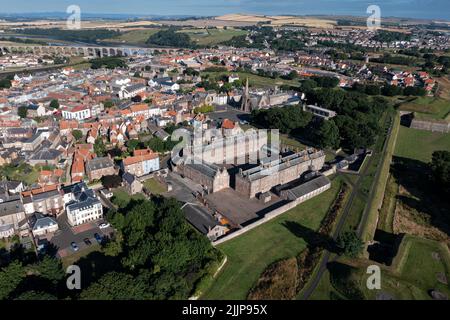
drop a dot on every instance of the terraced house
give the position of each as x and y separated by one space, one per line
141 163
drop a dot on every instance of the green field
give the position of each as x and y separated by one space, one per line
255 80
251 253
414 271
207 37
420 144
134 37
412 275
428 108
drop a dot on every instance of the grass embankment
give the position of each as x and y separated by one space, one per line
432 108
368 230
250 254
412 276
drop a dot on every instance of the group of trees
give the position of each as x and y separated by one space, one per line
84 35
23 276
391 36
155 254
170 38
161 256
5 83
388 90
356 125
108 62
287 119
358 114
388 58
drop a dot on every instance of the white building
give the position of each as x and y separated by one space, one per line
79 113
131 91
82 205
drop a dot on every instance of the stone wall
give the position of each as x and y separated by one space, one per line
434 126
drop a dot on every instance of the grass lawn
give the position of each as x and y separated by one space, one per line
255 80
251 253
420 144
23 172
212 36
154 186
121 198
428 107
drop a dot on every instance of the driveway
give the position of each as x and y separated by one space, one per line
67 234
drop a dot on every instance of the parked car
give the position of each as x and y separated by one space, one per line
87 241
74 246
98 238
104 225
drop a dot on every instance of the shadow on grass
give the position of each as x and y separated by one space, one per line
423 195
311 237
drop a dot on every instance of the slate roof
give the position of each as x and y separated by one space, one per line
199 217
308 187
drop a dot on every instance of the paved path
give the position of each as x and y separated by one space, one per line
312 285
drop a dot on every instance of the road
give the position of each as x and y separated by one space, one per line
327 255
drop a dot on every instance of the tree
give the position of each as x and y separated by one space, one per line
440 167
108 104
50 268
22 111
54 104
10 278
77 134
116 286
350 244
327 134
112 181
170 38
99 147
5 83
286 119
132 145
35 295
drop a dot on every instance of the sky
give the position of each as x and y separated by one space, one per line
428 9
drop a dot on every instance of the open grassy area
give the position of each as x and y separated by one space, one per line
428 107
412 275
255 80
250 254
207 37
154 186
22 172
134 36
121 198
420 144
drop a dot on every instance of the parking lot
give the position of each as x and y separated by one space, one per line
67 234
